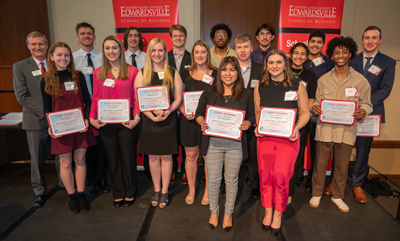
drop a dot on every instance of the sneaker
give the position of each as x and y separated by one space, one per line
340 204
314 202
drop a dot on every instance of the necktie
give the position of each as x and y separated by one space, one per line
367 65
43 69
264 54
133 60
90 64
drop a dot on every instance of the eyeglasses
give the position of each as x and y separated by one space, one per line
264 34
221 35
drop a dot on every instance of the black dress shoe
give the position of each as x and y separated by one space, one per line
298 183
129 203
39 201
83 204
275 231
255 193
91 191
73 204
103 186
118 204
266 227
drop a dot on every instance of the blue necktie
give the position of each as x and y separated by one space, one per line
367 65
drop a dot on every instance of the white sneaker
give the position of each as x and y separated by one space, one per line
314 202
341 205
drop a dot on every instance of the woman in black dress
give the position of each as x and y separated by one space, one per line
195 78
159 131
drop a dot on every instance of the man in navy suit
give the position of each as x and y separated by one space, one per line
379 70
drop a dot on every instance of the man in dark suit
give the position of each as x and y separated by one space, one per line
252 74
379 70
180 59
26 77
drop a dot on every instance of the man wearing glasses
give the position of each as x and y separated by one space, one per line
264 35
221 35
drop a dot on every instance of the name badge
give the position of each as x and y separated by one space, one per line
109 83
87 70
161 75
304 83
187 66
291 96
36 72
374 70
207 79
351 92
69 86
254 82
318 61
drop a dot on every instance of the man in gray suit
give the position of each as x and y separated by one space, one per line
26 77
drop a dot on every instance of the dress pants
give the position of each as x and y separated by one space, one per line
120 144
342 153
37 143
96 162
252 165
276 157
299 165
363 147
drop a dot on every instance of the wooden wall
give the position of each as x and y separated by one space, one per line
17 19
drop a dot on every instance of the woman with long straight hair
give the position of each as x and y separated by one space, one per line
115 80
159 131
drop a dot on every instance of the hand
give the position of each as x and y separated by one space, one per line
203 125
359 114
86 126
295 135
314 119
166 113
51 134
97 123
257 135
245 125
130 124
159 118
316 110
190 117
158 112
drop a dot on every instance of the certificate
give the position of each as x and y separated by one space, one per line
223 122
277 122
338 112
371 127
190 101
113 110
153 98
66 122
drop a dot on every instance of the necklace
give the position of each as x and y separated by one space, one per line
296 75
276 83
226 99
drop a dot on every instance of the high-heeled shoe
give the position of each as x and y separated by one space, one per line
227 228
129 203
213 225
275 231
265 227
118 203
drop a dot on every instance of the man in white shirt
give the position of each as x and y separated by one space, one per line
87 59
133 44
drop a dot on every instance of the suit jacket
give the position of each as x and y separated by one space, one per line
255 73
28 94
382 83
186 60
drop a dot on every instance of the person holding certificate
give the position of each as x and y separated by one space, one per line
227 92
159 131
347 95
114 80
64 88
195 78
298 56
277 155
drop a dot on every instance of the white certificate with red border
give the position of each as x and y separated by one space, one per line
153 98
371 127
191 101
338 112
277 122
66 122
113 110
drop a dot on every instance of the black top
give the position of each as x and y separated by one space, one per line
310 79
193 84
186 60
255 73
245 103
66 76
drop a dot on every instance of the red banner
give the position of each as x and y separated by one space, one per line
152 17
298 18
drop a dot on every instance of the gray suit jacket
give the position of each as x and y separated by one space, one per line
28 94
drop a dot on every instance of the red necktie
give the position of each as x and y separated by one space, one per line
43 69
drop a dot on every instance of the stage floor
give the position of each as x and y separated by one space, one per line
19 221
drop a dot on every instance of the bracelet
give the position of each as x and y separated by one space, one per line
137 117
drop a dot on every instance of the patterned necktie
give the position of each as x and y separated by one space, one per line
367 65
43 69
133 60
90 64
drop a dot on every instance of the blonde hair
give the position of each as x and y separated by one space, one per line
148 66
105 70
242 38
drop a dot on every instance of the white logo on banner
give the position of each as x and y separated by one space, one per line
145 11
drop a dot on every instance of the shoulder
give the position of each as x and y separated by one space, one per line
170 53
96 71
386 58
357 76
256 65
24 62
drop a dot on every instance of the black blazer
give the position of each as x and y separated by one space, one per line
186 60
255 73
246 103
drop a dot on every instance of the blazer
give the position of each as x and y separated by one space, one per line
28 94
382 83
186 60
255 73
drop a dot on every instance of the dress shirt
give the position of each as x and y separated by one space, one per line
321 69
178 59
140 58
45 63
258 56
216 58
123 89
80 59
246 74
365 60
329 88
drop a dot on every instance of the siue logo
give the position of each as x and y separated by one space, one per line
290 43
312 11
145 11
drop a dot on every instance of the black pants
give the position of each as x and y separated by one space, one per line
299 164
252 165
121 148
96 163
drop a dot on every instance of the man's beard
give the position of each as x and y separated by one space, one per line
221 47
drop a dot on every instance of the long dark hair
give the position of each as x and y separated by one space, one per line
237 89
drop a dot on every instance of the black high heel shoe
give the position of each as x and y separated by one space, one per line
129 203
276 231
265 227
118 203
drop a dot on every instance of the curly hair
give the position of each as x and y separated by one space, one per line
126 34
341 41
221 26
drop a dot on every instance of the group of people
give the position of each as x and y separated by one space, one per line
239 78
